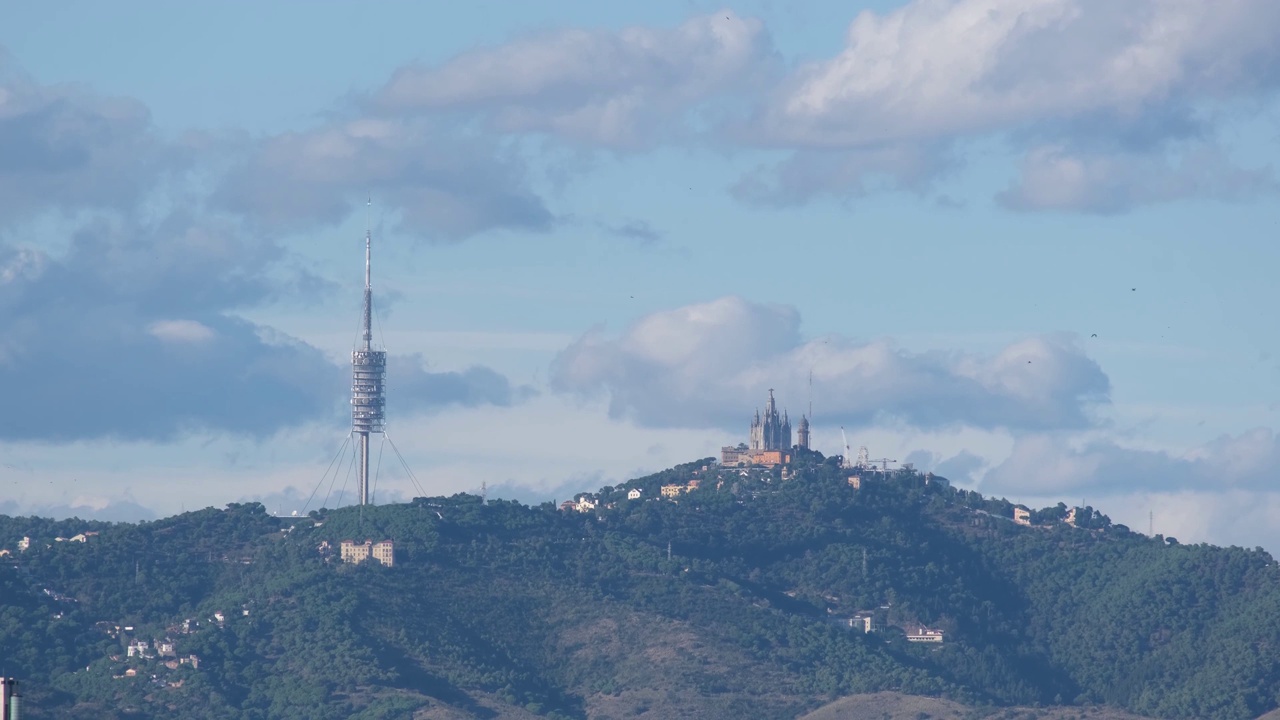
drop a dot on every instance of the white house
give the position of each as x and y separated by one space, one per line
925 635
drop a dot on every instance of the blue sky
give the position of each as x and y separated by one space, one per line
603 230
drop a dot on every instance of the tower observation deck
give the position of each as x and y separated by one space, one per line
368 383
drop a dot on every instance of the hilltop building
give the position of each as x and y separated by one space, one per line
383 552
771 432
770 439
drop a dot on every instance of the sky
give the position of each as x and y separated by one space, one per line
1025 244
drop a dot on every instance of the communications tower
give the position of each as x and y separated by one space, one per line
368 383
10 701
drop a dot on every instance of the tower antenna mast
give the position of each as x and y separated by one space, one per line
368 377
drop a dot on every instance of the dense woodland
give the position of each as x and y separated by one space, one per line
722 603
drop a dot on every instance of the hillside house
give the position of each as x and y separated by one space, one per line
925 635
1022 516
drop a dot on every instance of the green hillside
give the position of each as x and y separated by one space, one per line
731 600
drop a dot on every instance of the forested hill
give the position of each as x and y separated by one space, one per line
734 599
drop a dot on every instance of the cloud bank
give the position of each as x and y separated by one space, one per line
131 334
624 89
1077 86
709 365
1050 464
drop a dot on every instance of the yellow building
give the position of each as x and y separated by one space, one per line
383 552
672 490
769 458
1022 516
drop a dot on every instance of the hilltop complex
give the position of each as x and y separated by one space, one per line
770 439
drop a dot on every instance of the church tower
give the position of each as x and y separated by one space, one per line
771 432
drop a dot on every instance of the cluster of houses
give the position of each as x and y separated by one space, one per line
1022 516
25 543
163 650
865 621
586 502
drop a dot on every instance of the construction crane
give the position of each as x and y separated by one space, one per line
884 464
846 461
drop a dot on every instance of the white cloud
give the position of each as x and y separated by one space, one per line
91 345
181 331
1054 177
1057 463
937 69
65 147
706 365
614 88
440 181
1104 94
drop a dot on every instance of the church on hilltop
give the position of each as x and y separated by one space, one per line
770 439
771 432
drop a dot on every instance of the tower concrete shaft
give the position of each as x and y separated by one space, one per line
368 383
10 701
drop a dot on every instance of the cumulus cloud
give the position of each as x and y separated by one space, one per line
442 182
931 74
130 334
416 143
623 88
934 69
1049 463
1054 177
707 365
68 148
417 389
181 331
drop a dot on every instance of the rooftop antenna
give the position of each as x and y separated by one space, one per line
810 395
368 376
